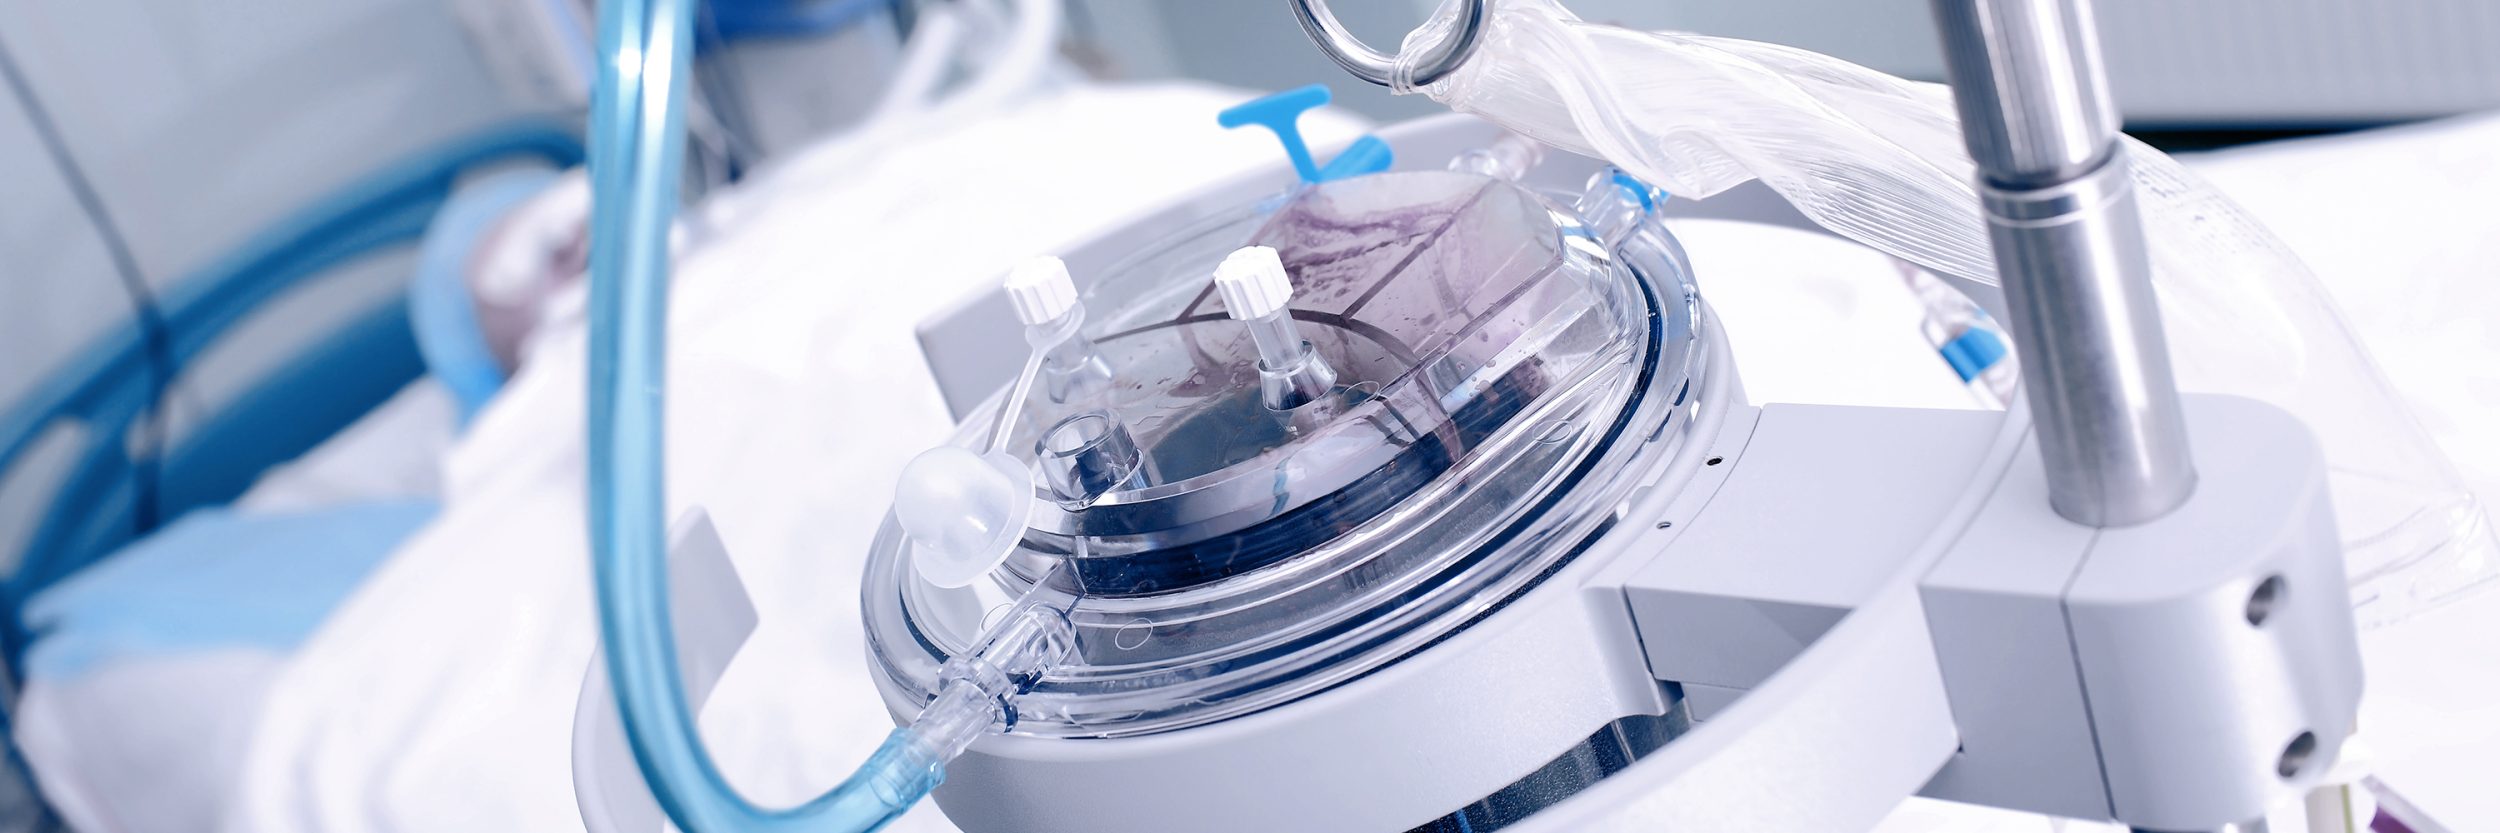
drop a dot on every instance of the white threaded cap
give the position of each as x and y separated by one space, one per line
1252 280
1041 290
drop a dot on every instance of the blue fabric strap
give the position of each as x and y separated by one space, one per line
215 579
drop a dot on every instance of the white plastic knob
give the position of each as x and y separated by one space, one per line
1253 282
1041 290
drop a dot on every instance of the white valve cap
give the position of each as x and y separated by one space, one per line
1041 290
964 512
1252 280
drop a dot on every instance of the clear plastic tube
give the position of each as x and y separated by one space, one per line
638 151
1966 337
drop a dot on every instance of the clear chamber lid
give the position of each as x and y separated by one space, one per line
1496 361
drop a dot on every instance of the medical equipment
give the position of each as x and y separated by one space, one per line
1526 561
1883 162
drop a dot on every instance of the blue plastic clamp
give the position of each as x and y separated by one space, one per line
1281 113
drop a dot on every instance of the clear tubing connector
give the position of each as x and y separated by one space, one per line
1075 371
1613 204
1969 340
1510 157
963 510
979 685
1041 292
1257 293
978 698
1087 456
978 695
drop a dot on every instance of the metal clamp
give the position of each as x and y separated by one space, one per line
1370 64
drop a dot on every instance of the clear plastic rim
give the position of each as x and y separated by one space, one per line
1564 514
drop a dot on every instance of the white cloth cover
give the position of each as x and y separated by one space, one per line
153 742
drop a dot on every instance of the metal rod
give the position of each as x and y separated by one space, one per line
2062 216
1350 52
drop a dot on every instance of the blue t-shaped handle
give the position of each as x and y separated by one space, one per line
1281 114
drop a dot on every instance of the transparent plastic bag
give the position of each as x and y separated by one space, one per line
1880 160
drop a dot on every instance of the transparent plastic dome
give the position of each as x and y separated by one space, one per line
1496 361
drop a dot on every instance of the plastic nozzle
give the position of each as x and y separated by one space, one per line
1256 291
965 510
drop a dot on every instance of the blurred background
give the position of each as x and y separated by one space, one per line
196 195
255 107
2213 67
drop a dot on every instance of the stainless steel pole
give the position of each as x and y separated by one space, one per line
2037 115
